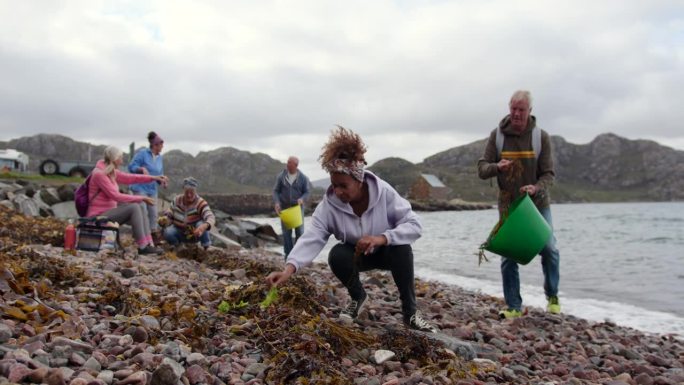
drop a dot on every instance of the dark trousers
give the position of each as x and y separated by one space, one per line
398 259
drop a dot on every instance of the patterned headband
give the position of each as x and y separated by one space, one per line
354 168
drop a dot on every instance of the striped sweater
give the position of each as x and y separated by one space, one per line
183 215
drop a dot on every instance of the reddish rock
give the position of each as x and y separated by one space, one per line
17 372
140 334
196 374
55 377
137 378
643 379
39 375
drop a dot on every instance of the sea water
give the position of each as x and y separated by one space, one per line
622 262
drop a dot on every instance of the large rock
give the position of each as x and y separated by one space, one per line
9 187
460 347
49 195
26 205
65 210
29 190
66 192
266 232
247 233
44 209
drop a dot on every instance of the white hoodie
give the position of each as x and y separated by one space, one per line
388 214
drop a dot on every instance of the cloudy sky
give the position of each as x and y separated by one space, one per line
412 77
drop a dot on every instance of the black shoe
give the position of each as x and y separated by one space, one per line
354 308
149 249
417 322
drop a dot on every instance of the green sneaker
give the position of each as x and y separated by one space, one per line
510 314
553 306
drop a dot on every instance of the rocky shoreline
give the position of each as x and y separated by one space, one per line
196 317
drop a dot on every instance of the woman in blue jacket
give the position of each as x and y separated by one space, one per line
149 161
374 224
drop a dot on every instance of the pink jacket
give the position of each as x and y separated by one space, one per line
103 192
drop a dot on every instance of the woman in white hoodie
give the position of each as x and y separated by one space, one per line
374 224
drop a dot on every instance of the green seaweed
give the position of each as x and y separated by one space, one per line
225 307
271 296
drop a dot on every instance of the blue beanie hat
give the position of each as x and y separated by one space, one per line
190 182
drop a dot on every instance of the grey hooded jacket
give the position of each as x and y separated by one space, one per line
388 214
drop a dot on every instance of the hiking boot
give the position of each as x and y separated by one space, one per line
417 322
149 249
553 306
354 308
510 314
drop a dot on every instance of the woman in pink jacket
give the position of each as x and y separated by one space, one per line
105 199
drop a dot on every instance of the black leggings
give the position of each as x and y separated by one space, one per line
398 259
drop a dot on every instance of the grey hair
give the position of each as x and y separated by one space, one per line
111 154
292 157
521 95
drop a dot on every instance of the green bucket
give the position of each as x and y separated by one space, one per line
522 235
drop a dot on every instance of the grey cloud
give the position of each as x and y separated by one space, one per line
412 74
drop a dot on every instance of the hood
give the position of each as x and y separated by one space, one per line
505 125
373 193
100 164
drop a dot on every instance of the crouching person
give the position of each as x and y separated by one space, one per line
190 217
374 224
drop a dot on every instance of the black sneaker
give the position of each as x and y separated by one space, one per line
149 249
354 308
417 322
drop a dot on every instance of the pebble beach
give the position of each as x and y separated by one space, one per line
200 317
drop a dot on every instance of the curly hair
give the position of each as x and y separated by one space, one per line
342 144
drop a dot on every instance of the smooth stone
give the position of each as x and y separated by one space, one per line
196 374
163 375
381 356
107 376
17 372
5 333
93 364
196 359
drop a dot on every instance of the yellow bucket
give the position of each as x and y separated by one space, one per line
292 217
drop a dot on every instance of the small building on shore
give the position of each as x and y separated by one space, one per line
428 187
13 160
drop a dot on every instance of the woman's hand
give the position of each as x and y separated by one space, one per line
150 201
163 180
368 243
278 277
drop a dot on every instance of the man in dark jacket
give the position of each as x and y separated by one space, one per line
291 188
518 154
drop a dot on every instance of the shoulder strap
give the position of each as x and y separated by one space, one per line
87 182
499 142
536 141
